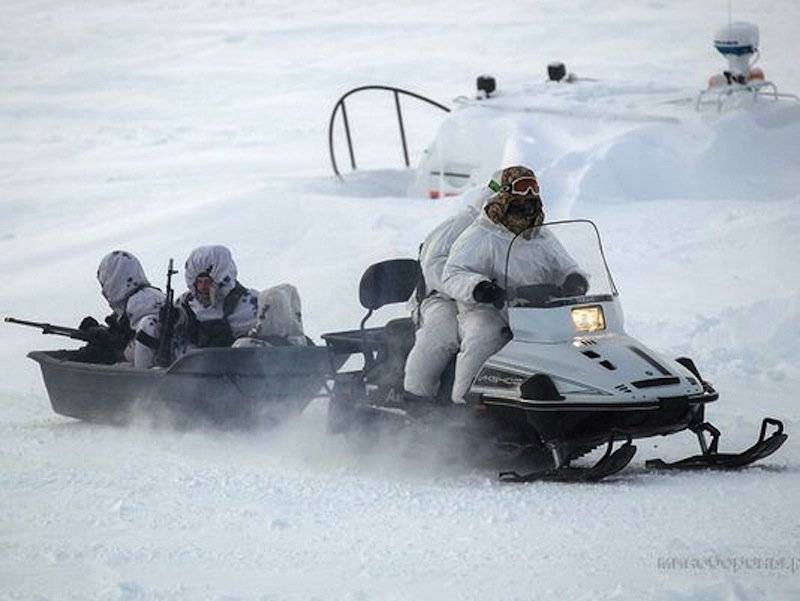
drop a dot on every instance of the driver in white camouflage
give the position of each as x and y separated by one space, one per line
475 272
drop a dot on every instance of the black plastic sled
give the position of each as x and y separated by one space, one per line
237 387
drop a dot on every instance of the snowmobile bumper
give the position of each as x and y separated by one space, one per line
589 425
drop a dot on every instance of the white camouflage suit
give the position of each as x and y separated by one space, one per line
216 262
437 334
479 255
280 319
129 294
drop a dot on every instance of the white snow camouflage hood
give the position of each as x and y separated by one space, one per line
120 274
476 198
215 261
279 312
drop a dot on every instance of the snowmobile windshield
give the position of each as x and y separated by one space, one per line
559 263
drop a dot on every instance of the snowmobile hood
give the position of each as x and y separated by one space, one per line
120 274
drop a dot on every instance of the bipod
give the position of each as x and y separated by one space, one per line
610 463
711 458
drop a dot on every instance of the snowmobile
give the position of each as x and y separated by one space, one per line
569 381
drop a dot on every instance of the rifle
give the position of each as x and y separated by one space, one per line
166 320
49 328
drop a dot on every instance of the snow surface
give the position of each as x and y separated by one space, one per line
157 126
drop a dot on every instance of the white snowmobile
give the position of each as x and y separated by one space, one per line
569 381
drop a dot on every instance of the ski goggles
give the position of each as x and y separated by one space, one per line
522 186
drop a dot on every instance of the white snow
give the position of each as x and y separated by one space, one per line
160 125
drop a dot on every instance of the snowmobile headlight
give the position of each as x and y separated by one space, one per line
588 319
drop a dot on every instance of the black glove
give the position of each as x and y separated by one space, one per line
108 336
489 292
574 285
88 322
102 336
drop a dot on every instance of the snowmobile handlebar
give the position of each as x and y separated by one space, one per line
537 295
550 295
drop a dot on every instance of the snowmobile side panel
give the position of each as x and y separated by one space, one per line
606 368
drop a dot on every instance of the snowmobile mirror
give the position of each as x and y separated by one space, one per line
388 282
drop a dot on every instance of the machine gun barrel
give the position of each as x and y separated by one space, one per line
49 328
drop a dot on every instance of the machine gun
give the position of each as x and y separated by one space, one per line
166 319
91 336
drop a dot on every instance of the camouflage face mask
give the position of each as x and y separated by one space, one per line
517 205
519 221
515 213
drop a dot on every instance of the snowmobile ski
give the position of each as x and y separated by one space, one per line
711 458
609 464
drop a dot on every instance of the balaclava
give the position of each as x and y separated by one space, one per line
515 207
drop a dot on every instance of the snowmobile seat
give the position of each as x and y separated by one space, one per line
386 348
388 282
383 283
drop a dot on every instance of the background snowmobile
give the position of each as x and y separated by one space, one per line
569 381
515 119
